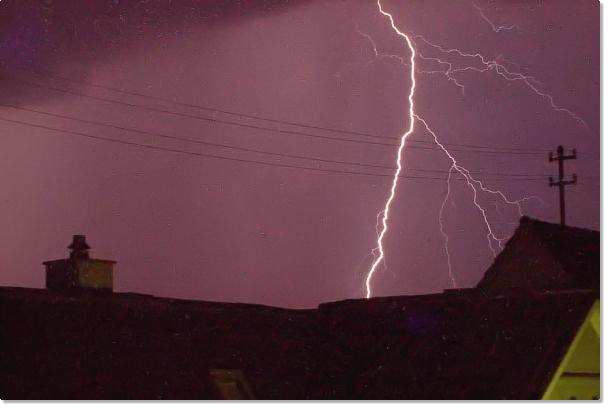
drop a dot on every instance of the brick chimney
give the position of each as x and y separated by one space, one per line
79 271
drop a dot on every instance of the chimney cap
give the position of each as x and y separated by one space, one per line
79 247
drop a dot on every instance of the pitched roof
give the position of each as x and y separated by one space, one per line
544 256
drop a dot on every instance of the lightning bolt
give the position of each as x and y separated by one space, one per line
492 238
493 26
448 72
494 65
475 185
485 65
386 211
444 233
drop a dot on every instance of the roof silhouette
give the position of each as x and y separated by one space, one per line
545 256
501 340
455 345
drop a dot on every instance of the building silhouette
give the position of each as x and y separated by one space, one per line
526 332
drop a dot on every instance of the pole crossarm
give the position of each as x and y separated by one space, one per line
560 157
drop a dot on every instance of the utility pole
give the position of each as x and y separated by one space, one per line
561 183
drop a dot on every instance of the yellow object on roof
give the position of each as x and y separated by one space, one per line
577 377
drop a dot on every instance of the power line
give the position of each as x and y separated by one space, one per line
251 150
251 126
261 118
198 154
198 117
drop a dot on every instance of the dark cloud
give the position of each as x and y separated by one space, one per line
39 36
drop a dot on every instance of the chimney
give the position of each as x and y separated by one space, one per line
79 271
79 247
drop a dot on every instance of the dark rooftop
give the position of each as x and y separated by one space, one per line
546 256
457 345
501 340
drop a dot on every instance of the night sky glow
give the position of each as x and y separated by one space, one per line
243 152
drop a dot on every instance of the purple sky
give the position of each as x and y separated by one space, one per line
203 228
